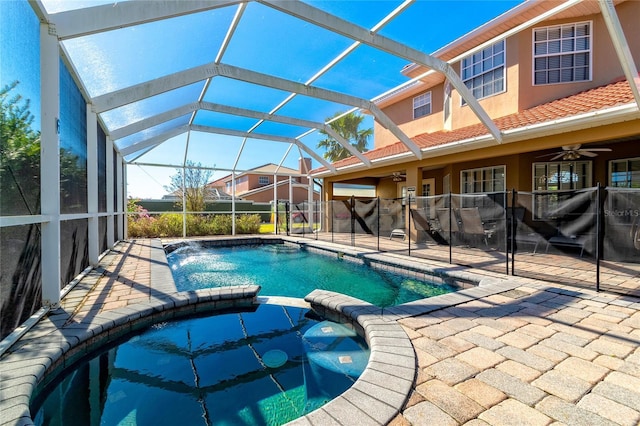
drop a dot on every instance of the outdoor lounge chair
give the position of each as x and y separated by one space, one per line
447 226
422 225
399 233
524 235
570 235
472 224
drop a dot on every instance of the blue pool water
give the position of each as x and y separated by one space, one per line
284 270
263 367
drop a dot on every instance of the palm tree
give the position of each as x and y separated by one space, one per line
347 126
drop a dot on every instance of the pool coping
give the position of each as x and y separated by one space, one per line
380 393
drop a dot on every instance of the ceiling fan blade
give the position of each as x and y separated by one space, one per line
587 153
596 149
558 156
571 147
547 155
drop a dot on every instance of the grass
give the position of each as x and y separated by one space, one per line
266 228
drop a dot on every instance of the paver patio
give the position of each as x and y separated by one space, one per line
539 353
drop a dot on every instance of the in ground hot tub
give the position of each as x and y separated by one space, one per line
264 366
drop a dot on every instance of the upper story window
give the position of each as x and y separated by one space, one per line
625 173
422 105
483 72
263 180
486 179
562 53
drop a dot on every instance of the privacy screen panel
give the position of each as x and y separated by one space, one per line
74 251
21 277
73 146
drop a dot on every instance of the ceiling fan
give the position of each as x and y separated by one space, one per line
398 176
573 152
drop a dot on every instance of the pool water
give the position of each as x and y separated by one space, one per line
262 367
283 270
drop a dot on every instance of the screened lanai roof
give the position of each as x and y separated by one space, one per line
234 84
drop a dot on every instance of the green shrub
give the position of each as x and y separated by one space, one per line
142 225
168 225
196 225
220 224
248 224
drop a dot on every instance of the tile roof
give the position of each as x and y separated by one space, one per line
610 95
265 168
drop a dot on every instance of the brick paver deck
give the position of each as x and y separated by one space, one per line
523 352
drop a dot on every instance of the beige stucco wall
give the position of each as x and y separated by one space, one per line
605 64
402 114
497 105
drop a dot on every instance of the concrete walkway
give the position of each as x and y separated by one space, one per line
537 353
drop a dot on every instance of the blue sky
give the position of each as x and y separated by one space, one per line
265 41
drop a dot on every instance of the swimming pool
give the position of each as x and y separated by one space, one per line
266 366
287 270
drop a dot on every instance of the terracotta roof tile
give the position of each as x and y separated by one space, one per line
617 93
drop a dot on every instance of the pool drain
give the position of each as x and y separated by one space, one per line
274 358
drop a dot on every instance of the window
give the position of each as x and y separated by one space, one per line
625 173
422 105
483 72
487 179
428 187
563 175
347 190
562 53
553 178
263 180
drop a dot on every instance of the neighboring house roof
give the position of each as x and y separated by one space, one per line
214 194
600 98
268 168
269 187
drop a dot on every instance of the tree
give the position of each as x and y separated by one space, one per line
195 184
347 126
19 155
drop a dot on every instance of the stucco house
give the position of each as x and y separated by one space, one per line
555 83
257 184
558 96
